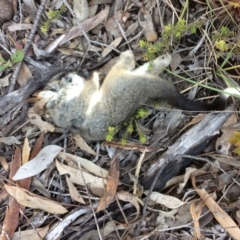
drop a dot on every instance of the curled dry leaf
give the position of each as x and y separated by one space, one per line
88 165
187 175
111 185
80 142
39 163
166 200
220 215
128 197
113 44
24 75
26 151
80 177
196 211
24 198
75 195
4 163
4 82
86 25
9 140
145 21
36 120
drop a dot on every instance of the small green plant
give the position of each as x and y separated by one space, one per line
52 14
112 131
235 140
130 126
16 57
170 36
221 37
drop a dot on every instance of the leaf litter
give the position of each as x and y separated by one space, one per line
80 181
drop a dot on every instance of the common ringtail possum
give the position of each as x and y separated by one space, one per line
88 108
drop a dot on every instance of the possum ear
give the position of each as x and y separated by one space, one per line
127 60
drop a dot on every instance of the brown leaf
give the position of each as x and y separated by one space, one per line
11 219
25 151
111 185
15 164
145 21
26 182
86 25
37 147
80 177
128 197
80 142
36 234
24 75
36 120
75 195
26 199
220 215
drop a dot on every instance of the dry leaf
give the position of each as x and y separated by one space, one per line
80 142
36 234
9 140
76 176
128 197
19 27
36 120
113 22
196 213
24 75
86 25
194 121
25 151
75 195
30 8
137 172
220 215
175 62
145 21
3 162
88 165
81 10
113 44
24 198
187 175
26 182
111 185
11 219
37 147
166 200
4 82
39 163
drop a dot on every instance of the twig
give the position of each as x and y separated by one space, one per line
90 42
28 44
91 204
208 161
148 196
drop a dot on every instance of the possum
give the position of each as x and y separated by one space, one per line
88 108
